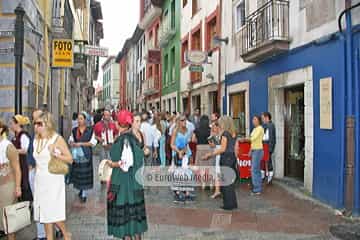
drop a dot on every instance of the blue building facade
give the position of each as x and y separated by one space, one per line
323 58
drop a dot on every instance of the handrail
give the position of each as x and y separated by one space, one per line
263 7
342 14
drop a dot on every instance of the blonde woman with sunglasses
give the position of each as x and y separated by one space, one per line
49 195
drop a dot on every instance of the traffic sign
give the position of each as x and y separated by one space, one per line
62 53
196 68
96 51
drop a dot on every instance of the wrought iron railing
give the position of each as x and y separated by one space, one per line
270 22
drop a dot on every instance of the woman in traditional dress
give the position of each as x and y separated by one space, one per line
126 203
10 174
227 159
135 128
49 194
83 138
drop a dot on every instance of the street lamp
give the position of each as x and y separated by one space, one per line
217 41
19 53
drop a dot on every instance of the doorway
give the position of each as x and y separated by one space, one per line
214 103
196 103
294 132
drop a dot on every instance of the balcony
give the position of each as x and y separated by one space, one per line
151 12
166 32
266 32
152 53
149 86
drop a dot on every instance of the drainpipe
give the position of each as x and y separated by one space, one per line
356 211
350 120
351 124
219 63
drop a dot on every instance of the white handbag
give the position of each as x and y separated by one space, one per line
105 171
16 217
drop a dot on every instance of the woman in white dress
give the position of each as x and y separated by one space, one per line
49 196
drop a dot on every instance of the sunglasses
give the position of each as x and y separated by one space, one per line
39 124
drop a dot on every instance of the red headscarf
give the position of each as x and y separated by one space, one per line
124 118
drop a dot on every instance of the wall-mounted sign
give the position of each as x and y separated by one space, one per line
326 103
6 33
196 57
196 68
154 56
96 51
62 53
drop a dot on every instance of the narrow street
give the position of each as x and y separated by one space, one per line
274 215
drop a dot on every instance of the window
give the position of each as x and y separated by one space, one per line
239 15
157 36
184 49
173 14
166 64
184 3
172 65
156 76
211 31
196 45
195 7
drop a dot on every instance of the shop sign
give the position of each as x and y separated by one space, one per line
196 57
62 53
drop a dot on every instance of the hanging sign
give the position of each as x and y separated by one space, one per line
96 51
196 57
62 53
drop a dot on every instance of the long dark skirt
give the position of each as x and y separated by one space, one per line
228 192
127 213
82 174
25 185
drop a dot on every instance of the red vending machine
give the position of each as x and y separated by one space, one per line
244 160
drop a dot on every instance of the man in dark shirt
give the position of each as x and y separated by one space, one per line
270 138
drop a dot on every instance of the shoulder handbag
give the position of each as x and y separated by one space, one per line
57 166
16 217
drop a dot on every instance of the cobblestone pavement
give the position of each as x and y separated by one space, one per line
276 214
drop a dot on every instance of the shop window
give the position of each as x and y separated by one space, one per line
238 112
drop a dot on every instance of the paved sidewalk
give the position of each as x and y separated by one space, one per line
276 214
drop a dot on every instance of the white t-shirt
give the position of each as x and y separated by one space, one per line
93 140
24 142
157 136
149 133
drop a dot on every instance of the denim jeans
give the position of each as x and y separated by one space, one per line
256 156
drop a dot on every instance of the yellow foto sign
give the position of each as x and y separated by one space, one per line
62 53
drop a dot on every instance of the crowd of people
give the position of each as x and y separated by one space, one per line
129 141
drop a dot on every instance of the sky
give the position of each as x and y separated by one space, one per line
120 18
